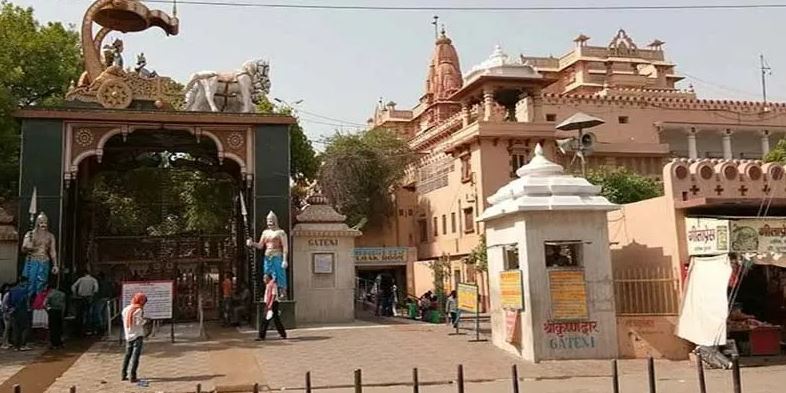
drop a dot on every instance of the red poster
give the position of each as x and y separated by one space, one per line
511 325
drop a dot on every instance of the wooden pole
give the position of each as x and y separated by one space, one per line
72 389
199 388
415 382
735 373
651 373
256 387
358 381
308 381
700 371
515 376
460 379
17 389
615 378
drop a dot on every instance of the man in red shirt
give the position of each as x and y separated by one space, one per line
227 287
271 309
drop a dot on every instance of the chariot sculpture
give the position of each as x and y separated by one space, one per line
105 82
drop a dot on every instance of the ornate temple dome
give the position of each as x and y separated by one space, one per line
444 75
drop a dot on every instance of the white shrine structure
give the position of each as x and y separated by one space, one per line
550 277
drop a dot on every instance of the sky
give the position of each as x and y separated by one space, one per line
341 62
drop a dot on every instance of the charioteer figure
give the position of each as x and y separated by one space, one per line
39 245
275 246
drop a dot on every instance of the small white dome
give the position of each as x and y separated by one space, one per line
500 64
543 185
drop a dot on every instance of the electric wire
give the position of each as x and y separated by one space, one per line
335 7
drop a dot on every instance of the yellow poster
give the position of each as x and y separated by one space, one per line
510 285
468 297
568 295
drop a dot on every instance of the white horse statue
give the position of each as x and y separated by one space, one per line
238 91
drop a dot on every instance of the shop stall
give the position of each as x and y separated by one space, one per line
735 284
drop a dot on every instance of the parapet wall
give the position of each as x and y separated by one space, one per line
686 179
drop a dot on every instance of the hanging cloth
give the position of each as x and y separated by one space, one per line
705 306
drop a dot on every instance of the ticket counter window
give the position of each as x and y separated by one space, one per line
511 257
563 254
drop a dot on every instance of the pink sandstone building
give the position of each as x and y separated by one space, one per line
475 126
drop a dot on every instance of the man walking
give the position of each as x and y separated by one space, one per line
55 307
227 289
134 327
19 303
271 309
83 291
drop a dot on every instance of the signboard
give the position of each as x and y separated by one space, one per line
512 293
511 325
380 255
707 236
323 263
160 297
759 236
468 297
568 294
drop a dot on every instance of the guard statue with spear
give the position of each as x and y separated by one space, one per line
40 247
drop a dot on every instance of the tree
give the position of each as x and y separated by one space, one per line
360 172
304 163
38 62
478 255
621 185
778 153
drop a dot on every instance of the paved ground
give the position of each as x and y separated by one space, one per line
229 360
11 362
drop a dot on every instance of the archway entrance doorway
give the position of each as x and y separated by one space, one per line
160 204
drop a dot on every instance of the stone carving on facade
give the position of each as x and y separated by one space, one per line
105 82
622 45
238 91
85 140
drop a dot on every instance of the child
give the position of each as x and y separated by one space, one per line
451 309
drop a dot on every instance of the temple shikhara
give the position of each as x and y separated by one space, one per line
476 126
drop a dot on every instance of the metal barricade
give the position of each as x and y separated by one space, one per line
112 312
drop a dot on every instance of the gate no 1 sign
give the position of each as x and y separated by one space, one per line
160 296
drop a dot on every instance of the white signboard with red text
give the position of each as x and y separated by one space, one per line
160 297
707 236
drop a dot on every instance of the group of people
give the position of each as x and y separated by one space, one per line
385 293
429 302
21 301
17 307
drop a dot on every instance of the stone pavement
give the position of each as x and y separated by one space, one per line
386 354
12 361
386 351
165 366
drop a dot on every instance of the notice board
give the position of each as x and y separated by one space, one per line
568 294
160 297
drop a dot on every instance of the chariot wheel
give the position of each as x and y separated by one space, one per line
115 94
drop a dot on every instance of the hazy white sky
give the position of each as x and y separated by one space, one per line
340 62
